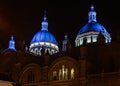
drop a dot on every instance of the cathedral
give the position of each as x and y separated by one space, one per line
93 61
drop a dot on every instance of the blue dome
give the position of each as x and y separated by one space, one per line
43 41
93 26
44 36
91 30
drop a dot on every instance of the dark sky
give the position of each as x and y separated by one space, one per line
23 18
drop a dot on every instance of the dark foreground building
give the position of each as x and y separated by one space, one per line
93 61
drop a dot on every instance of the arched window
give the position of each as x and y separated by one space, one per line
39 52
36 51
72 73
31 77
52 51
63 73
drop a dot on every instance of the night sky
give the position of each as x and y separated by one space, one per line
22 18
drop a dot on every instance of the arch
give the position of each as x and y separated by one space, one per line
33 69
64 58
63 67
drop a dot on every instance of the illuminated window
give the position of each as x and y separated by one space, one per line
106 41
63 71
39 52
52 44
60 74
54 75
52 51
66 73
48 44
94 38
81 41
41 43
36 51
46 50
36 44
31 50
88 39
109 40
31 76
72 73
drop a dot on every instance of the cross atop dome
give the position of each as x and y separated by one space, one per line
45 15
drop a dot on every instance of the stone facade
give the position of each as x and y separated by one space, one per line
88 65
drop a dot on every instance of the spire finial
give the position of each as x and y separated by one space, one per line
12 38
45 15
66 37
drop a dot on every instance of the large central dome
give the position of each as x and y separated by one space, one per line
91 30
44 36
43 41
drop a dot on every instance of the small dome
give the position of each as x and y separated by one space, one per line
93 26
44 36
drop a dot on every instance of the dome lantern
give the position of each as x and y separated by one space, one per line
92 15
44 23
